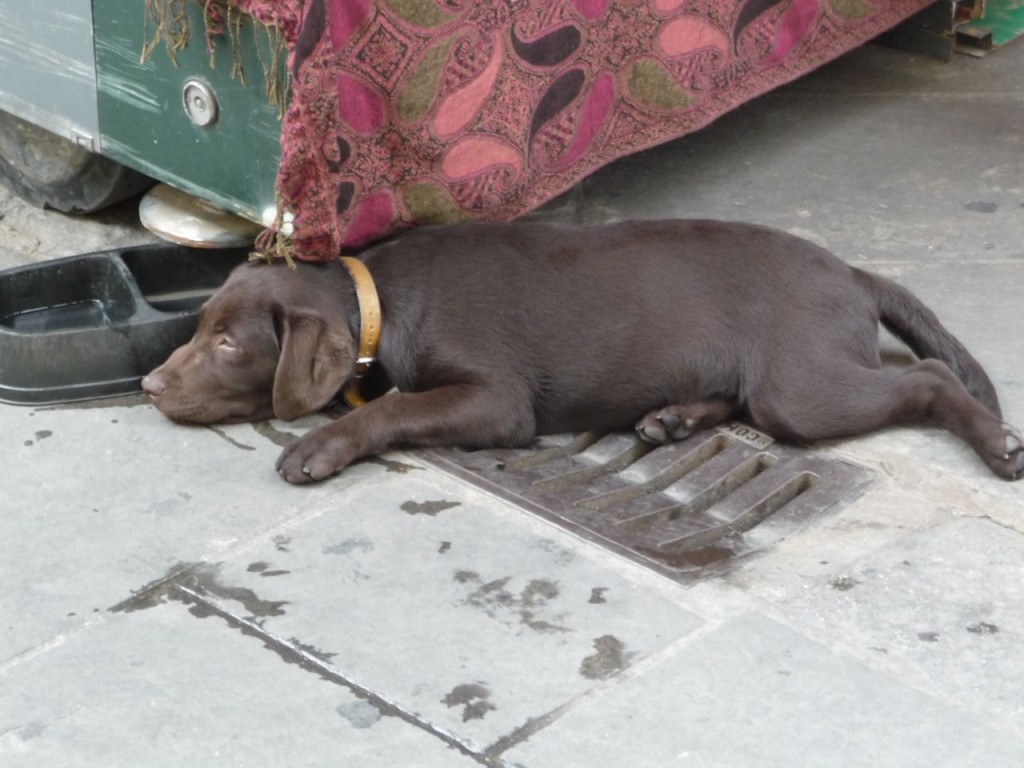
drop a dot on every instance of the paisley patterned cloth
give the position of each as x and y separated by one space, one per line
407 112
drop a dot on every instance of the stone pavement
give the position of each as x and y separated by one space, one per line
166 600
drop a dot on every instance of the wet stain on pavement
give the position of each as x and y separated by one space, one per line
205 582
392 466
979 206
264 569
165 507
360 714
597 595
525 608
473 698
277 436
156 592
843 583
431 508
121 401
445 547
609 658
222 434
42 434
982 628
25 732
539 591
562 555
348 546
928 637
311 650
192 583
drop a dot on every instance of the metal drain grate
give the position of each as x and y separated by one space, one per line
686 509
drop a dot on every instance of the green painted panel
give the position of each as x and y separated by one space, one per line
143 123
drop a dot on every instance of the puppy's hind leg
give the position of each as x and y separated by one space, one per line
849 399
677 422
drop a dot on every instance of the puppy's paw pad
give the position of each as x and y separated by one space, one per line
1010 464
1013 440
663 425
651 431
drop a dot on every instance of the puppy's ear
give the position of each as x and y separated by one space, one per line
316 359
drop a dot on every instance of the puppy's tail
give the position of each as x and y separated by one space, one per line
909 320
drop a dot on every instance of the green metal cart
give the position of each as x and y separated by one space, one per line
86 119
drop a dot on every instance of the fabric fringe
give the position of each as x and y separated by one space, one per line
273 244
167 22
170 26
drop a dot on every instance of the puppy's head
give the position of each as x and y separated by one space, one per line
262 348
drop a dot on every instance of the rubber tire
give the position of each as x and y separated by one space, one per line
49 171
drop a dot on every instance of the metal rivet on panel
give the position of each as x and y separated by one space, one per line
200 102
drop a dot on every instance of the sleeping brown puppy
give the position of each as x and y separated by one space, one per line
494 333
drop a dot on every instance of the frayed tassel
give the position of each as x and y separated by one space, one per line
170 26
272 244
169 22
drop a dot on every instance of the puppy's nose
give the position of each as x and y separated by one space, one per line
153 386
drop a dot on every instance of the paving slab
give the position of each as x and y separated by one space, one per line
101 499
754 693
880 156
941 609
162 689
441 600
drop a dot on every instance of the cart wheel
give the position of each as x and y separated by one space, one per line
52 172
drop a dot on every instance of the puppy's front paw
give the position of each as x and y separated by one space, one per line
315 456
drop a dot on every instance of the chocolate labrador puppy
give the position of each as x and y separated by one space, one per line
494 333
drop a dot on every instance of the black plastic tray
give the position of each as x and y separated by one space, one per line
93 325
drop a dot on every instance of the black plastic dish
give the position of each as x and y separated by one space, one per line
93 325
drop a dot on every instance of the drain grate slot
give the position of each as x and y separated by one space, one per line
677 470
775 501
583 475
705 499
745 520
686 509
737 478
541 456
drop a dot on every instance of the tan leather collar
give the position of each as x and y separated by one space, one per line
369 326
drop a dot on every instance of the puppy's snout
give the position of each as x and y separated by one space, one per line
153 385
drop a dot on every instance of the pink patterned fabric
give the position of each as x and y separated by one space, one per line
407 112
